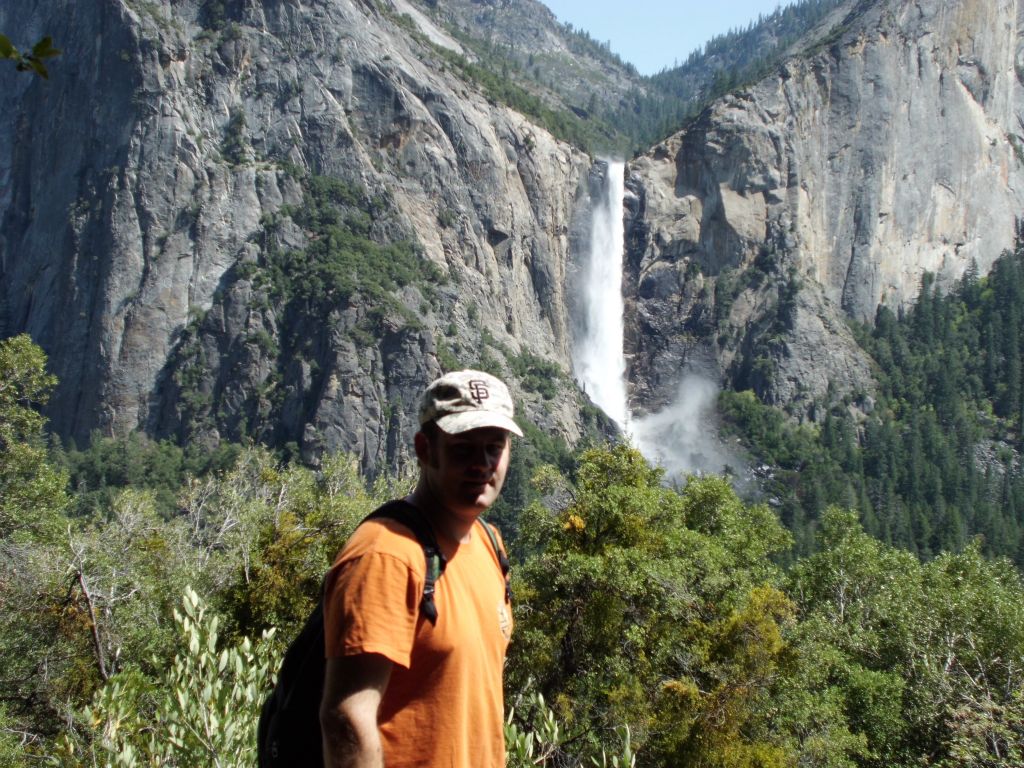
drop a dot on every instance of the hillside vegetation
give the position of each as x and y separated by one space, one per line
141 626
933 459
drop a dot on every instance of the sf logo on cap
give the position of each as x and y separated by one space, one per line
478 390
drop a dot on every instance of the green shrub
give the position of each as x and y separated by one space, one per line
202 711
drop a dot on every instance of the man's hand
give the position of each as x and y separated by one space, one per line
353 689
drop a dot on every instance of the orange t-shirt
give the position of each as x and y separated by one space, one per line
443 707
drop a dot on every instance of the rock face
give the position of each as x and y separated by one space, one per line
277 220
888 148
147 189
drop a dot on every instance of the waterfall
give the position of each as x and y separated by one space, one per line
598 357
682 436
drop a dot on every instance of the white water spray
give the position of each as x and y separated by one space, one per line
682 437
599 359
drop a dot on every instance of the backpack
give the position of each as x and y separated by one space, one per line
289 728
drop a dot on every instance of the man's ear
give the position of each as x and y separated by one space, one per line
421 444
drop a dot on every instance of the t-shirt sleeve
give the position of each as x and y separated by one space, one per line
371 606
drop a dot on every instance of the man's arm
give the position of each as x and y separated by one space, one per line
353 688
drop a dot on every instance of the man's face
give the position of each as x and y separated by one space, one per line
465 472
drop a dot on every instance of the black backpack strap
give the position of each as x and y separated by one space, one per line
499 550
405 513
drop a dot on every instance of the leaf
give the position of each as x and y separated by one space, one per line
8 51
44 49
39 68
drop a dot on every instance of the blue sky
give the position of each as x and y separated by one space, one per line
654 34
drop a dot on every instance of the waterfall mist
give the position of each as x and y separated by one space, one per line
683 437
598 357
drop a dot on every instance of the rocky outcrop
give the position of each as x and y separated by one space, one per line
147 189
890 147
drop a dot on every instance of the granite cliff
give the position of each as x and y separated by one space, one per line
156 225
887 145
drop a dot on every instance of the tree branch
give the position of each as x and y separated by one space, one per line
97 645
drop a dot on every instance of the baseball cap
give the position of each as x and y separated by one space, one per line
465 400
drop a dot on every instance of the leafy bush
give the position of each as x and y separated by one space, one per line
645 607
32 494
539 739
202 711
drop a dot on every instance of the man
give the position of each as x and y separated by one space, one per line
400 690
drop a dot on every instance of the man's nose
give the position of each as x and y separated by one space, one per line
481 457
